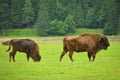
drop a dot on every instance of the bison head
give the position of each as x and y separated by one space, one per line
35 56
104 42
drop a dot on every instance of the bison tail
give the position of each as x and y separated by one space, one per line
9 46
6 43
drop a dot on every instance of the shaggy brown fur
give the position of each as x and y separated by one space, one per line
23 45
92 43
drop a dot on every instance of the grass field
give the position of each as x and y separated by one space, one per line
33 32
105 67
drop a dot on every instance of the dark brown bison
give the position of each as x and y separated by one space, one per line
23 45
92 43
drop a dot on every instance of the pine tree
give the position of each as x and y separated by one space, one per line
4 15
78 16
35 5
119 25
111 27
52 9
16 13
71 24
93 17
42 23
28 13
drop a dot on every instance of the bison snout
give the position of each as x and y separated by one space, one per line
37 59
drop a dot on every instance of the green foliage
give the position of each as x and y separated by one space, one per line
86 13
16 13
94 18
79 16
71 24
4 16
52 9
36 6
58 28
119 25
90 21
42 23
110 29
28 13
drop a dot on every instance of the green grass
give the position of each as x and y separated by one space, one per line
20 32
84 30
105 67
33 32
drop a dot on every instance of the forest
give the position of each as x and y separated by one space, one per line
58 17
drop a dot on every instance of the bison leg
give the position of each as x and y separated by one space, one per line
93 55
89 56
70 55
27 57
62 54
12 54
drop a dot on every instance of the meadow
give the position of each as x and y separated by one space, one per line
105 67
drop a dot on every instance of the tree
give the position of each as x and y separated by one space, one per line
93 17
16 13
90 20
78 16
35 5
28 13
52 9
119 25
42 23
71 24
58 28
111 27
61 11
4 15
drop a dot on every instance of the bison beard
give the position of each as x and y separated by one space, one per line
23 45
92 43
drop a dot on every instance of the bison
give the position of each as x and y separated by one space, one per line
23 45
92 43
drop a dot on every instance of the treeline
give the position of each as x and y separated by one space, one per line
58 17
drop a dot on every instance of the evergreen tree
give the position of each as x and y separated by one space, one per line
111 27
90 18
16 13
119 25
57 28
61 11
28 13
93 17
85 7
35 5
52 9
42 23
71 24
78 16
4 15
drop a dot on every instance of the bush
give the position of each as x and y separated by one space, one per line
57 28
71 23
109 29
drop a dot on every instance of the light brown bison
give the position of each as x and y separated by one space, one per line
23 45
92 43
